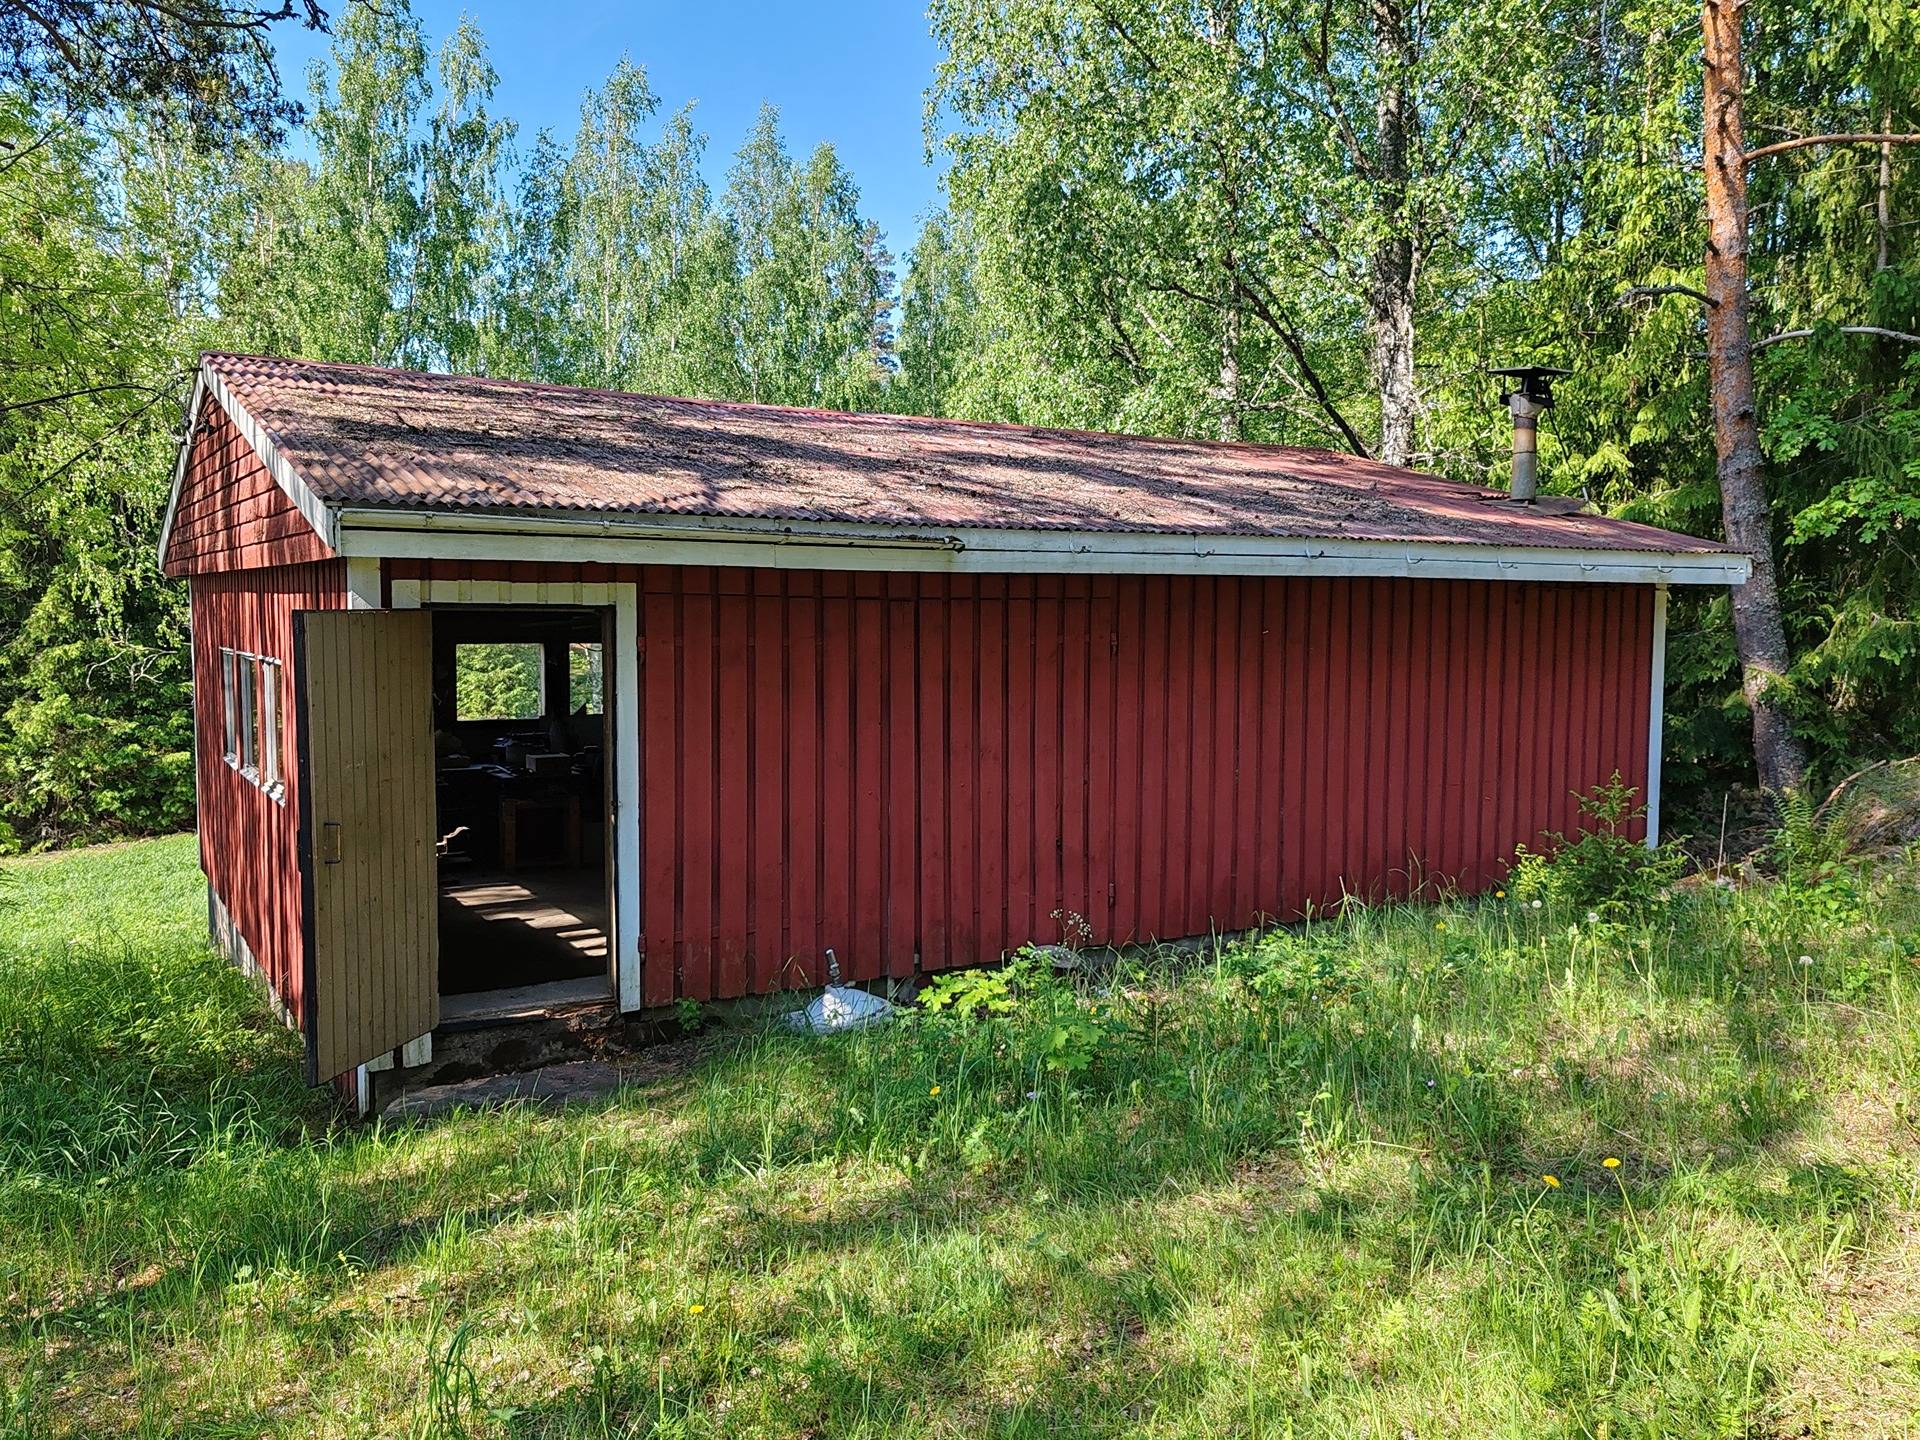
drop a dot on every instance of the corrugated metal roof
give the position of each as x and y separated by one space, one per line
365 436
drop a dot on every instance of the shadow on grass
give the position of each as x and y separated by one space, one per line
1164 1119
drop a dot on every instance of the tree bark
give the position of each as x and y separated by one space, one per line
1395 262
1223 32
1759 629
1883 201
1227 392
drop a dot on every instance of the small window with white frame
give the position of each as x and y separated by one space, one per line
231 744
270 726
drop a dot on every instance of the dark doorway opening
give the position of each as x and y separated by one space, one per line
520 700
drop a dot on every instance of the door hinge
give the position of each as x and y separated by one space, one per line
1111 894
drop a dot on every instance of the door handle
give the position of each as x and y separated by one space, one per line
329 842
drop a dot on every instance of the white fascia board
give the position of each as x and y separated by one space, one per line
658 540
318 514
206 382
185 448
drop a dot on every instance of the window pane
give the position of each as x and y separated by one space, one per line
269 722
585 685
498 682
249 753
230 747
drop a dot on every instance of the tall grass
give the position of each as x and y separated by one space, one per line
1295 1187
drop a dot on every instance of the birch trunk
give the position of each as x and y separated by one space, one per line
1760 636
1224 34
1395 259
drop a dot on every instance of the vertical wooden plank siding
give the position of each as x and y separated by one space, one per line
366 699
963 756
248 838
901 766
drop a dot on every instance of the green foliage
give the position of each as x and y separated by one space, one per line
1174 218
92 672
498 681
1601 866
814 278
1311 1167
1818 879
209 58
942 318
405 229
1158 218
1030 1008
586 679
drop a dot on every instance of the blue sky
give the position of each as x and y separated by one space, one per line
853 72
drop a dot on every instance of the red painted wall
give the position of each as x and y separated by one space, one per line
249 839
899 765
232 514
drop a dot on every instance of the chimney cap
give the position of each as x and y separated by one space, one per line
1536 381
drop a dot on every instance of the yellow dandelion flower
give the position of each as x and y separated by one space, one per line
1552 1182
1612 1162
1439 924
934 1091
696 1309
1499 894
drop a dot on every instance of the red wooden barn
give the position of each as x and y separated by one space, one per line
511 695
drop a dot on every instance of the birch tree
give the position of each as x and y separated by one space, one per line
454 290
366 218
814 278
1240 207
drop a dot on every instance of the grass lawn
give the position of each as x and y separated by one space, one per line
1297 1189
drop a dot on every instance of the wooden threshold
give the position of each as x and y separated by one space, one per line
524 1002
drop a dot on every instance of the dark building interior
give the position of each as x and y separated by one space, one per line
522 796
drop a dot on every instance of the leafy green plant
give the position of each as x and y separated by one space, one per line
1600 866
1039 1011
974 994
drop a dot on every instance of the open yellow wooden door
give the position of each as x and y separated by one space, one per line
364 682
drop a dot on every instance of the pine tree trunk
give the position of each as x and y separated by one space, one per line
1883 199
1390 290
1759 631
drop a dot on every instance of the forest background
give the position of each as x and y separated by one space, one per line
1320 224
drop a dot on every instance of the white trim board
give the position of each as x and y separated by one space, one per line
187 427
363 584
623 596
660 540
1656 714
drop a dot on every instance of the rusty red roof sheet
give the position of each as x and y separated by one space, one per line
365 436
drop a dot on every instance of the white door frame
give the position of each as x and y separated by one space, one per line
623 597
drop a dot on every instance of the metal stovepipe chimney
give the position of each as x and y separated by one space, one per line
1525 402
